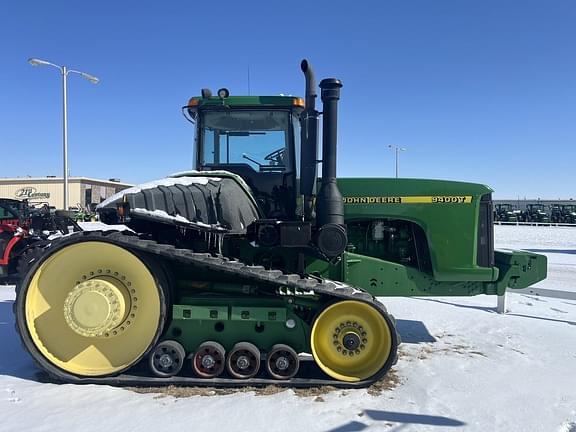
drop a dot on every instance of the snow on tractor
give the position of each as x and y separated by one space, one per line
250 270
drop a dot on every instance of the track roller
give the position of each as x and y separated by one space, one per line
166 359
209 360
243 360
282 362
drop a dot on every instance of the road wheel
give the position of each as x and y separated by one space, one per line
282 362
243 361
167 359
352 341
209 360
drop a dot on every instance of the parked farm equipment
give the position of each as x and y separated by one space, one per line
568 214
506 213
535 213
556 213
24 230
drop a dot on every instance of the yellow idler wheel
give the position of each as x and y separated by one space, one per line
92 309
351 340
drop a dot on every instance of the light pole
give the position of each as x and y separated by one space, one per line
64 71
397 151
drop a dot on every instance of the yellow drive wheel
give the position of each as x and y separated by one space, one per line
351 340
92 308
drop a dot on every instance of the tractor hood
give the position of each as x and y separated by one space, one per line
439 207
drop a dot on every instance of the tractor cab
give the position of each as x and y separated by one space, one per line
257 138
536 208
272 143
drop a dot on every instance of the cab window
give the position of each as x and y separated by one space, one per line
257 138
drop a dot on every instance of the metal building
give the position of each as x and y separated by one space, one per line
82 191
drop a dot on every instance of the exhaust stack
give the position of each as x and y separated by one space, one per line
330 208
331 238
309 141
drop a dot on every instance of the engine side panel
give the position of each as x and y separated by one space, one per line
447 212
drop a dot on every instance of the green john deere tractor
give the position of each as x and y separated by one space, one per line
250 270
569 213
506 213
536 213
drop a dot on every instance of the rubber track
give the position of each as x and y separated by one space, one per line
231 267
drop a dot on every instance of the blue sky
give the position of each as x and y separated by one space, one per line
481 91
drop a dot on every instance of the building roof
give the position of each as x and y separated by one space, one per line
8 180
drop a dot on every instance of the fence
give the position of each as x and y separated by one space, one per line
542 292
560 224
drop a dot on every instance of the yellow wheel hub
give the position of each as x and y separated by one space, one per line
96 307
92 309
351 340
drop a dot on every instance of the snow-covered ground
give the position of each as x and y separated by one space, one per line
462 367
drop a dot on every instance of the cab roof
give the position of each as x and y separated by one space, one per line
248 101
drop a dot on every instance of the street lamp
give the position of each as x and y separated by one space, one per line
397 150
64 71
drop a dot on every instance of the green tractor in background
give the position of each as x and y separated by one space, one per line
556 213
569 213
536 213
250 270
506 213
563 213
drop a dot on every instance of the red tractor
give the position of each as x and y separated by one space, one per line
24 230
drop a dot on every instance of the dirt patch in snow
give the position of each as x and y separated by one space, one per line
427 351
389 382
